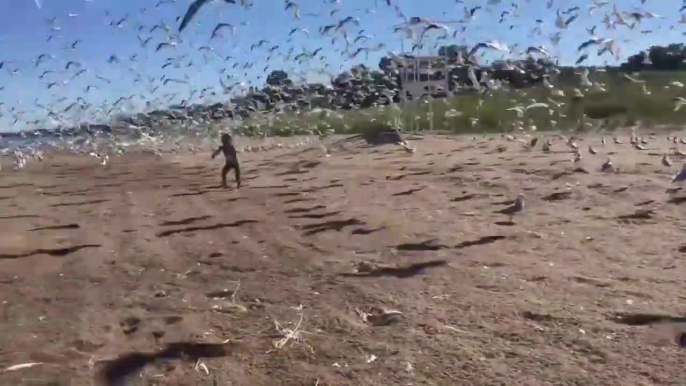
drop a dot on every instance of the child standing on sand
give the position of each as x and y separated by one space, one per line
231 159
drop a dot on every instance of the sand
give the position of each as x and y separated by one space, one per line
101 268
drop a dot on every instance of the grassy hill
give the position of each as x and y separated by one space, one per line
621 103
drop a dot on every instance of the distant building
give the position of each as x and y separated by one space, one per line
422 75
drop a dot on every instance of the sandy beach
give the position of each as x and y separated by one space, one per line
371 266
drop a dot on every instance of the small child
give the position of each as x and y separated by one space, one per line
231 159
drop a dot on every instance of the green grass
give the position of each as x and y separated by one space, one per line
623 103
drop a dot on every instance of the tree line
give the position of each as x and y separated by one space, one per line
656 58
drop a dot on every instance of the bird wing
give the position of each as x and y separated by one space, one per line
190 13
472 77
535 105
632 79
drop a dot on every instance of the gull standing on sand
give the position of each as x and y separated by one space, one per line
577 156
607 166
517 207
666 161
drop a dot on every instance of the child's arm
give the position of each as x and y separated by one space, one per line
217 152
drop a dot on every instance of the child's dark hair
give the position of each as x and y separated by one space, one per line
226 138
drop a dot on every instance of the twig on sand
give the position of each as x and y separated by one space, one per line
291 335
200 365
232 306
233 295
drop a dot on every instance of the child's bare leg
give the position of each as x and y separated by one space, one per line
225 171
237 171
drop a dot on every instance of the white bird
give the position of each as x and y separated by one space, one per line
560 21
493 44
572 144
632 79
472 77
611 46
681 177
678 102
518 110
536 104
434 26
590 42
666 161
540 50
598 87
607 166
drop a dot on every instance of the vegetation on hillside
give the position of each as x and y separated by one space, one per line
612 99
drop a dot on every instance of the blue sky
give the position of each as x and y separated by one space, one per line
24 32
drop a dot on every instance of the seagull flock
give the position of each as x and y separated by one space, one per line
321 40
607 166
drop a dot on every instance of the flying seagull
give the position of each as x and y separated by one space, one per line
219 26
193 9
